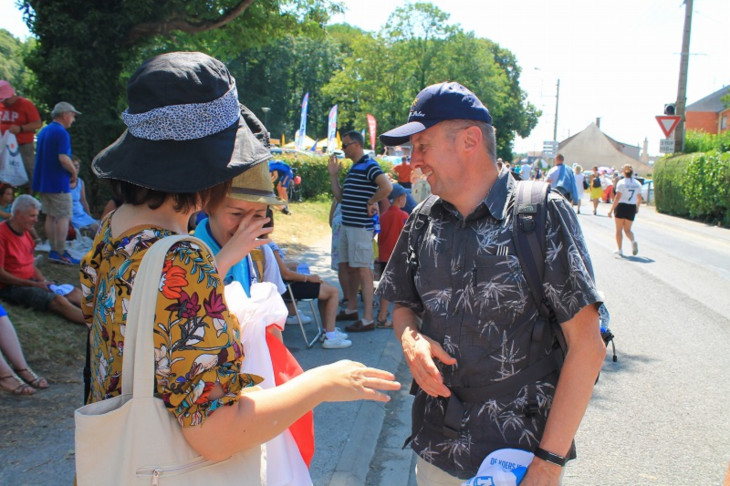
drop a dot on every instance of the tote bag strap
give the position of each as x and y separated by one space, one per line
141 316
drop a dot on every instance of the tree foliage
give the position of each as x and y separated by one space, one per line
13 68
277 50
86 50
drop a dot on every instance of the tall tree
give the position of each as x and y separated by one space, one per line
13 69
86 49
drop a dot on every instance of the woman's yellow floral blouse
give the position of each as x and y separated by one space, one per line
196 340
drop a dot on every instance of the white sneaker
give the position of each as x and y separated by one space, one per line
292 320
336 343
618 253
339 332
634 247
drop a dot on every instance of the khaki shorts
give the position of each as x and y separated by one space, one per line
27 152
57 204
356 247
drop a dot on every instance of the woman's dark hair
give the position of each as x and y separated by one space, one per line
4 186
135 195
628 170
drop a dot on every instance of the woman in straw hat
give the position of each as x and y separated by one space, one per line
226 230
187 138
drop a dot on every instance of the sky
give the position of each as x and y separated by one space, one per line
617 61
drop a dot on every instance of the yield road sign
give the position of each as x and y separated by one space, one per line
668 123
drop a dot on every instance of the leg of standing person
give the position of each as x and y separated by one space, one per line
350 288
627 223
27 152
619 235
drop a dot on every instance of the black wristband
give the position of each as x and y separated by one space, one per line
550 457
21 128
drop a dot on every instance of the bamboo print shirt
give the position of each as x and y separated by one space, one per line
476 303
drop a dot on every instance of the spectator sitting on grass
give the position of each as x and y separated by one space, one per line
12 373
81 219
21 282
311 286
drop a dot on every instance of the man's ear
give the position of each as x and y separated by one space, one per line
471 138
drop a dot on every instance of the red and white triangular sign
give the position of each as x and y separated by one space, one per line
668 123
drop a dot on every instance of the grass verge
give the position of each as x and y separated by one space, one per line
55 347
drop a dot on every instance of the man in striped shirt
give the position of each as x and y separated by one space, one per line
365 185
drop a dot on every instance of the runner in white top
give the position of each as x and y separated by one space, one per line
626 206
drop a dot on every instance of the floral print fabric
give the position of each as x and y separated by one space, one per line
196 340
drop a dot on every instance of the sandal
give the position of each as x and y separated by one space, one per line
384 324
20 389
35 381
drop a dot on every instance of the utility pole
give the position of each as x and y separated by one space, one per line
682 87
557 99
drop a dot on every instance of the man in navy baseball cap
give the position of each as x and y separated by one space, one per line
437 103
453 326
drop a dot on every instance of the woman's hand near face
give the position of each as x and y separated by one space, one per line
243 240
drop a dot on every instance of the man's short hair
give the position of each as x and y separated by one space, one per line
23 203
560 157
355 136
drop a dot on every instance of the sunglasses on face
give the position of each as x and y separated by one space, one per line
345 145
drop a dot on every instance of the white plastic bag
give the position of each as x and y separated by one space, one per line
12 169
503 467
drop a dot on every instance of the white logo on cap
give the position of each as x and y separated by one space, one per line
417 114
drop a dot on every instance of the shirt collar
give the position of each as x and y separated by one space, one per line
495 203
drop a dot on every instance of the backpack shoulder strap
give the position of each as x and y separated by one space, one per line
421 215
528 234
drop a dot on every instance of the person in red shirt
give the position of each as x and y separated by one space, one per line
402 172
21 282
391 225
20 117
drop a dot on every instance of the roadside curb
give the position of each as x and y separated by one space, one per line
358 453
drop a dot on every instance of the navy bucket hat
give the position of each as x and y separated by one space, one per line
186 130
434 104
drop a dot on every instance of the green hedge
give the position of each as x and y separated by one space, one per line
314 174
696 141
694 185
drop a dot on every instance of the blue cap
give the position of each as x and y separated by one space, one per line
434 104
397 191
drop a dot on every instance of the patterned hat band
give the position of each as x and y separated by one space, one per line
185 122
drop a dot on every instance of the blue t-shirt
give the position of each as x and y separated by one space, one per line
49 175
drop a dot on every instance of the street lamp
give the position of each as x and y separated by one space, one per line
266 111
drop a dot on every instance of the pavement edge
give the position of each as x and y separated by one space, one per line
358 453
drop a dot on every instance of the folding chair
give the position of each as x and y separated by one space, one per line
289 297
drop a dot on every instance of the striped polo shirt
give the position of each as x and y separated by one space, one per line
358 189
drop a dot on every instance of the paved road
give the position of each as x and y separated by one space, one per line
659 416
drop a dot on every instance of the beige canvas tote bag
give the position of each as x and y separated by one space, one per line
132 439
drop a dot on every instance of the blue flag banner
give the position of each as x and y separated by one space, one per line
332 130
303 123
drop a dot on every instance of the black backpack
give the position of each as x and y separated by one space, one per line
528 234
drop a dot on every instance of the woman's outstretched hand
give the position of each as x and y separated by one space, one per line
346 380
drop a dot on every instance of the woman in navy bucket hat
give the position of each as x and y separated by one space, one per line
187 137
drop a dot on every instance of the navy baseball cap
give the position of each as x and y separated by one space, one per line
434 104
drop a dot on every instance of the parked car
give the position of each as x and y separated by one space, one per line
647 191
